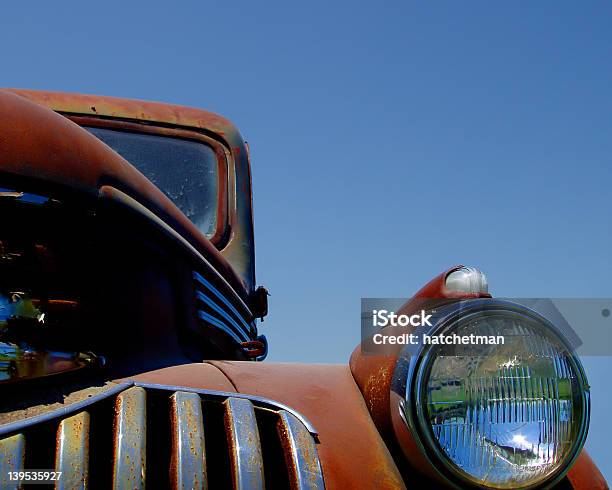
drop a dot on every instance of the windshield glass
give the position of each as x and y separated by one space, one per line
186 171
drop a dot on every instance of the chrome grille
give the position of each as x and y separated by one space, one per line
137 435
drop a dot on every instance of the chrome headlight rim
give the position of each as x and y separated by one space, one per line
412 373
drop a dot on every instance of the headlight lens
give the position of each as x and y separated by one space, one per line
502 416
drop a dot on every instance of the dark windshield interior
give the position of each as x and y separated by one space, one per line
186 171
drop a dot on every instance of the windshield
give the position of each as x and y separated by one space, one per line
186 171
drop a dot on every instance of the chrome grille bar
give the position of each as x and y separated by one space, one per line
12 455
72 452
244 445
300 453
188 465
130 439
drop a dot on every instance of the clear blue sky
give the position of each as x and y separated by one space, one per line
388 141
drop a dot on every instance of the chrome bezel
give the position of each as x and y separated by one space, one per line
414 364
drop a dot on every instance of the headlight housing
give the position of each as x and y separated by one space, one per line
511 415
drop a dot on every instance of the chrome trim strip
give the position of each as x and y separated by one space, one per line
201 280
188 465
244 446
72 452
300 453
63 412
260 402
130 439
12 457
215 322
207 301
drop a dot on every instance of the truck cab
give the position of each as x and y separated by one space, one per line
142 245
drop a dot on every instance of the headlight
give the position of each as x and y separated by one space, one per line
511 415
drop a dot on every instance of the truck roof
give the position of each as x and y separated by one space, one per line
134 109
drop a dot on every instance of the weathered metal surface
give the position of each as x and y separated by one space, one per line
300 453
130 439
47 404
12 455
186 448
239 251
134 110
350 449
374 372
188 460
244 445
584 474
351 452
40 144
72 452
259 401
198 375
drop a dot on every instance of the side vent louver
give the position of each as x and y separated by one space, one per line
214 309
143 435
